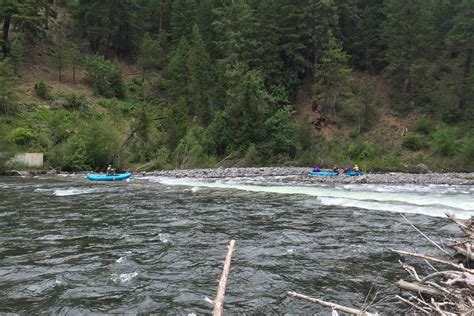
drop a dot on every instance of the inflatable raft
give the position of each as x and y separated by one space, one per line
106 177
323 173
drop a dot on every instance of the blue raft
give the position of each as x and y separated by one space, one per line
323 173
106 177
354 173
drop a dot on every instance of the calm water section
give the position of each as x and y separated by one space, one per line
70 247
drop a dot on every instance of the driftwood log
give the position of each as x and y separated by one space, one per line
338 307
218 302
448 291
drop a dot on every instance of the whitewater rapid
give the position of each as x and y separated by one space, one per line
431 200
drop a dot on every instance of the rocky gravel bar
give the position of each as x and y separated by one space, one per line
301 175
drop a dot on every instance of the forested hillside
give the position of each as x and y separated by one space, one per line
387 84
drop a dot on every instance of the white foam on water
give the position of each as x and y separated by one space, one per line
434 200
68 192
164 238
123 277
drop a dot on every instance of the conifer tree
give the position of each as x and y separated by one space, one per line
62 56
200 69
294 36
150 56
17 54
461 37
235 26
407 33
8 81
27 18
178 72
331 74
183 13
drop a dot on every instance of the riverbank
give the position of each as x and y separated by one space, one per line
301 174
298 174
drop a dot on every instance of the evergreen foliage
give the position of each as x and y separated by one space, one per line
234 80
104 77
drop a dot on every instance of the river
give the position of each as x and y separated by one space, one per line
157 245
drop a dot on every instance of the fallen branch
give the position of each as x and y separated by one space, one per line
467 251
219 300
459 267
419 288
332 305
466 229
427 238
413 305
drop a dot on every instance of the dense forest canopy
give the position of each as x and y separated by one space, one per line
204 83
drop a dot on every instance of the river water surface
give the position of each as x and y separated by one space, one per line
156 245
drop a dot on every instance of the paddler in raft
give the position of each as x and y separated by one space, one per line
110 170
316 169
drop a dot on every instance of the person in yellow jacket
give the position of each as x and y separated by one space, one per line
356 168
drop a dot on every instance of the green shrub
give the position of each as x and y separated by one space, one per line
252 157
76 101
445 142
361 150
413 142
424 126
8 95
22 136
451 115
468 148
43 91
69 156
190 151
104 77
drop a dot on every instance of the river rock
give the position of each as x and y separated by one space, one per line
421 168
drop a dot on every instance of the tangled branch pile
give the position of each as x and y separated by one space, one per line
444 292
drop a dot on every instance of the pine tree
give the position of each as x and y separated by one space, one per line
245 102
62 56
26 17
200 68
461 36
183 13
269 38
17 54
177 70
236 26
407 33
294 39
331 74
151 55
8 81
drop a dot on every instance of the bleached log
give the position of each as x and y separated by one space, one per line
459 267
419 288
338 307
466 250
467 230
219 300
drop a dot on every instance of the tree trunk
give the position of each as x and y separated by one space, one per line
60 69
74 72
6 28
107 46
467 70
162 14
